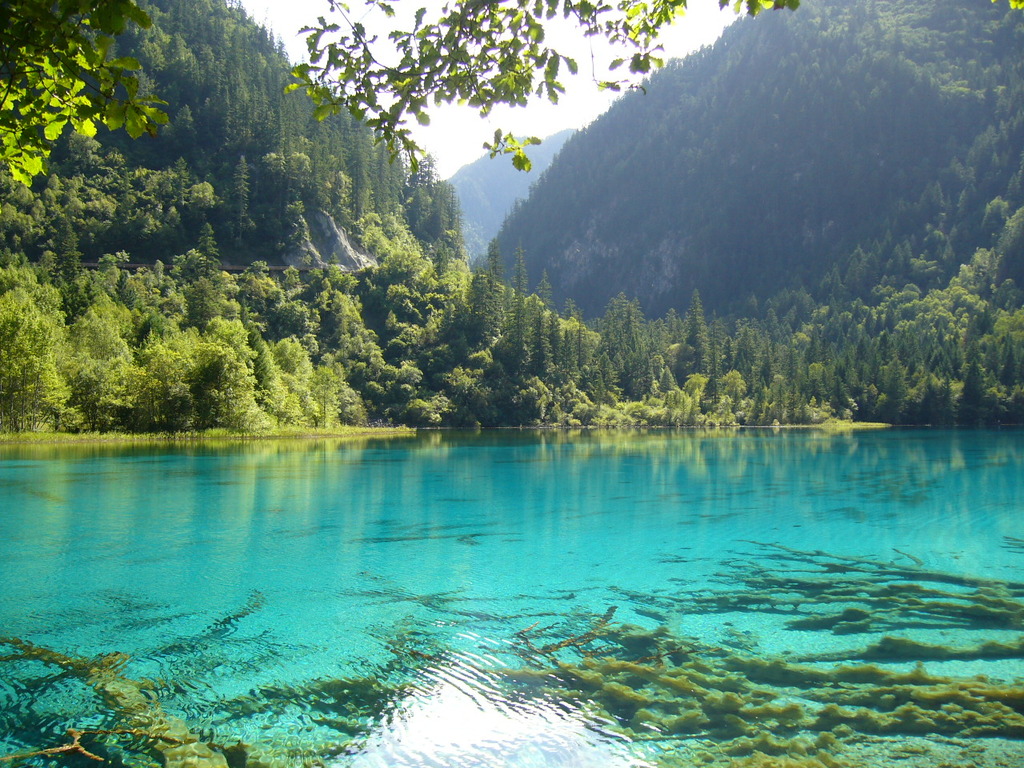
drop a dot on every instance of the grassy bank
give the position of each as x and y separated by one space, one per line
838 426
290 433
305 433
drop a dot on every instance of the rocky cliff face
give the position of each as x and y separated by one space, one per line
326 243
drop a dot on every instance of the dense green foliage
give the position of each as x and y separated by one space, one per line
158 336
848 143
58 68
424 343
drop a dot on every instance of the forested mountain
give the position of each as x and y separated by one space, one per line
920 323
488 187
849 143
240 160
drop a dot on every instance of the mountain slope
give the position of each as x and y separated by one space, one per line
834 144
488 187
240 160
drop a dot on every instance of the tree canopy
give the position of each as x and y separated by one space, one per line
238 156
58 68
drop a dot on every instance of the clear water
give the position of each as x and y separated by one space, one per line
418 601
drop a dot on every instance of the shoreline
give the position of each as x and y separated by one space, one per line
79 438
342 433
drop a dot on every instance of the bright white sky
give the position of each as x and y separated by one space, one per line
456 134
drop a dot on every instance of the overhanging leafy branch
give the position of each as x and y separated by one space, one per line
479 53
59 69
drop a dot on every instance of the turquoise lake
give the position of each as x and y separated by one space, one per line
518 598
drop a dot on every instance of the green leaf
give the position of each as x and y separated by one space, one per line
156 115
32 164
53 130
323 111
20 174
124 62
114 116
139 16
135 124
640 63
521 162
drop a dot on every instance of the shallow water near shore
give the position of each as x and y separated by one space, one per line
518 598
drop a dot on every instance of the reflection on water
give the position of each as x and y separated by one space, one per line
459 714
519 598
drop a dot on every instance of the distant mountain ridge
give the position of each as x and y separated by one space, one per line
488 188
826 148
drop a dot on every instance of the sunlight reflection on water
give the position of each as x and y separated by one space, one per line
456 715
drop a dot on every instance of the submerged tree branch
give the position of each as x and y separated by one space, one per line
75 746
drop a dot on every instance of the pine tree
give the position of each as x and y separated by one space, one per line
693 357
971 407
241 200
544 292
518 332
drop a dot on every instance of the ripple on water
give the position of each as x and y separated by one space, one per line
460 715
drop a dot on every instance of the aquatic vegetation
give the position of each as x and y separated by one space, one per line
144 730
1013 543
704 704
168 737
854 595
881 693
749 710
768 711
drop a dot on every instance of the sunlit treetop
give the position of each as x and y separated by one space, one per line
58 69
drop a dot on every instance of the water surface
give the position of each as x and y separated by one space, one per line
520 599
